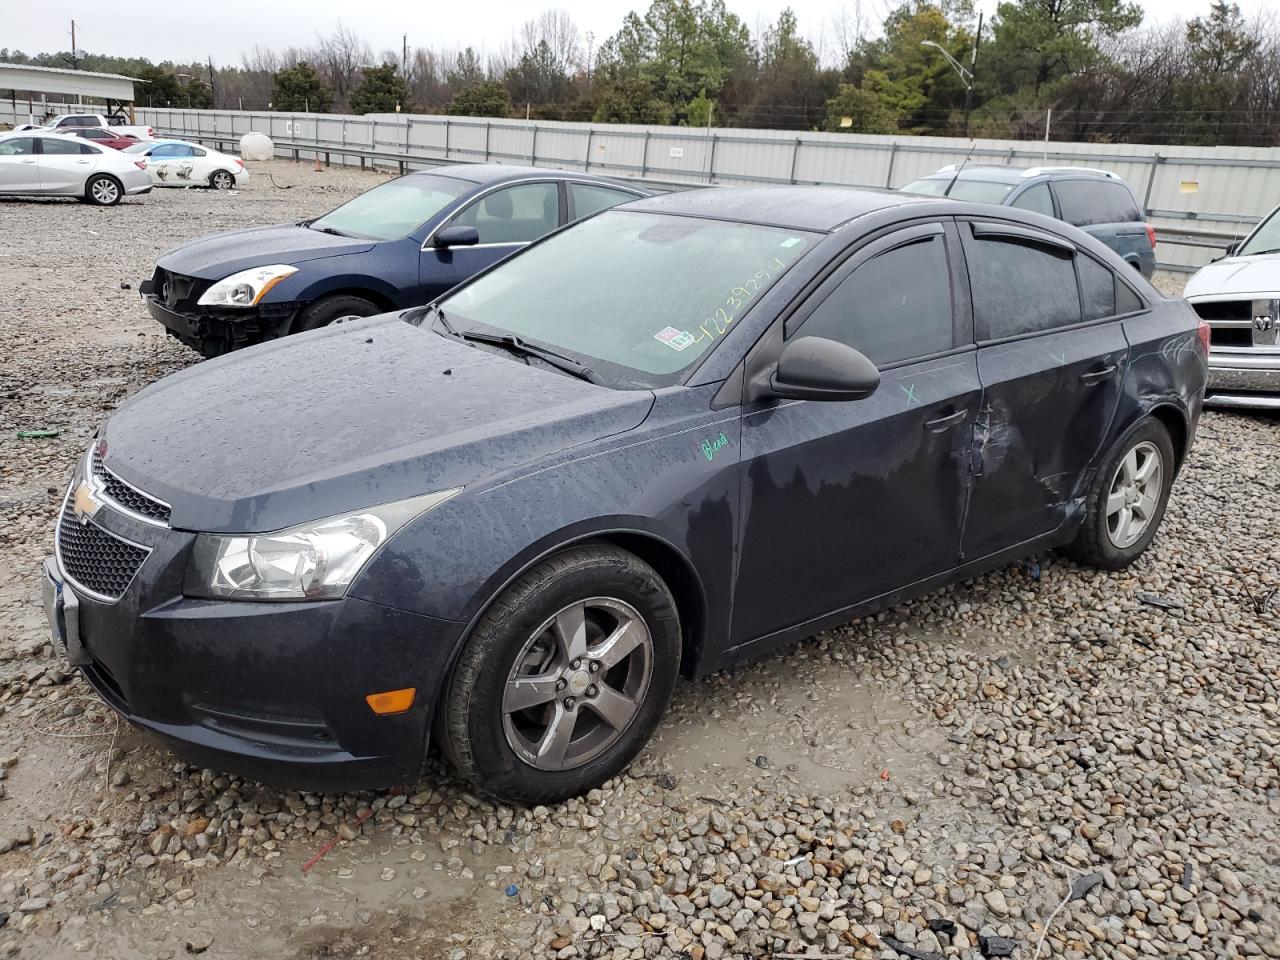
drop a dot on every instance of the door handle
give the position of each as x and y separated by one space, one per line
945 422
1097 376
82 161
29 161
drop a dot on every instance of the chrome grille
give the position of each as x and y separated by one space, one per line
95 560
126 495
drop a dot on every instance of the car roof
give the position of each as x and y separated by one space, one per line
490 173
797 208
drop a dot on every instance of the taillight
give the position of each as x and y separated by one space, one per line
1202 334
239 162
151 134
1151 235
140 164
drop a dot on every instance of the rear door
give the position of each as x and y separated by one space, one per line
1051 356
508 219
1109 211
18 170
65 164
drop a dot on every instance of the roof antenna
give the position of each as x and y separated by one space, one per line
960 169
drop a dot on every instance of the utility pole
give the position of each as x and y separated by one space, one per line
973 69
75 59
404 57
213 89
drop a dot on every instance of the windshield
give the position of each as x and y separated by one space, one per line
637 297
395 209
1265 239
978 191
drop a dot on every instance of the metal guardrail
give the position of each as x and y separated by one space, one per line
404 161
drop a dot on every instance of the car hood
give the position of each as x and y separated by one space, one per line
1260 274
222 254
357 414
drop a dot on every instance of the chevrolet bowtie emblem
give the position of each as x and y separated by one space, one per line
83 503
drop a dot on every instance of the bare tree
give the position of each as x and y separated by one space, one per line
339 58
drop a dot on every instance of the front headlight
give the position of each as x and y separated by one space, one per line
246 288
312 561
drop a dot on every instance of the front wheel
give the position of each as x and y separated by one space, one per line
221 180
103 190
1127 502
328 309
564 678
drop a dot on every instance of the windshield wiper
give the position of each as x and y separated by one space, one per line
1258 253
332 230
514 344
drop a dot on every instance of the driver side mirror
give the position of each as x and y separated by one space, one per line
815 368
456 236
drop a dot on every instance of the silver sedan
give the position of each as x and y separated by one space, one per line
45 164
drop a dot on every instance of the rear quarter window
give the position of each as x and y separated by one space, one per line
1087 202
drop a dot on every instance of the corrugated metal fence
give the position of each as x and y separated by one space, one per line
1198 198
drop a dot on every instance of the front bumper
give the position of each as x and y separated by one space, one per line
213 333
1244 379
274 691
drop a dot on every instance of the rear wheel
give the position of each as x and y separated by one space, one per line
103 190
221 180
328 309
564 678
1128 499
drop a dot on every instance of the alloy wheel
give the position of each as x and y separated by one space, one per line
1133 497
222 180
105 191
577 684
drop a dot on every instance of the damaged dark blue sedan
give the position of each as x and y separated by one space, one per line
676 435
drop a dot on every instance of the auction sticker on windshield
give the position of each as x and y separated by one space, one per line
675 339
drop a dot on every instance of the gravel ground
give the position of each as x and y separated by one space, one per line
1037 763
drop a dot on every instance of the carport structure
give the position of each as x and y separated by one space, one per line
113 88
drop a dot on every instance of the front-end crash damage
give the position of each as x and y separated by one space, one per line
173 300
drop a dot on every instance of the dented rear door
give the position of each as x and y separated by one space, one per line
1051 383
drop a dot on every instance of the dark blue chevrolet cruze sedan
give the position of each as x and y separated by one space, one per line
673 436
398 245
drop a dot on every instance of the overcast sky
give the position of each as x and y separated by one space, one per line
193 31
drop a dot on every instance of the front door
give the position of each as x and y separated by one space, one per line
18 170
1052 365
508 219
845 502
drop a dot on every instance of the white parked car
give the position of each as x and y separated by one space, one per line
64 122
1239 297
176 163
39 163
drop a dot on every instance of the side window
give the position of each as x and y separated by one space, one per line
197 152
519 214
1036 199
170 150
1083 202
1126 300
1098 288
1020 287
893 307
60 145
1123 205
88 148
589 198
18 147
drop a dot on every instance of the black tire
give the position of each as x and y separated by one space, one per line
471 726
328 309
103 190
1094 544
221 180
